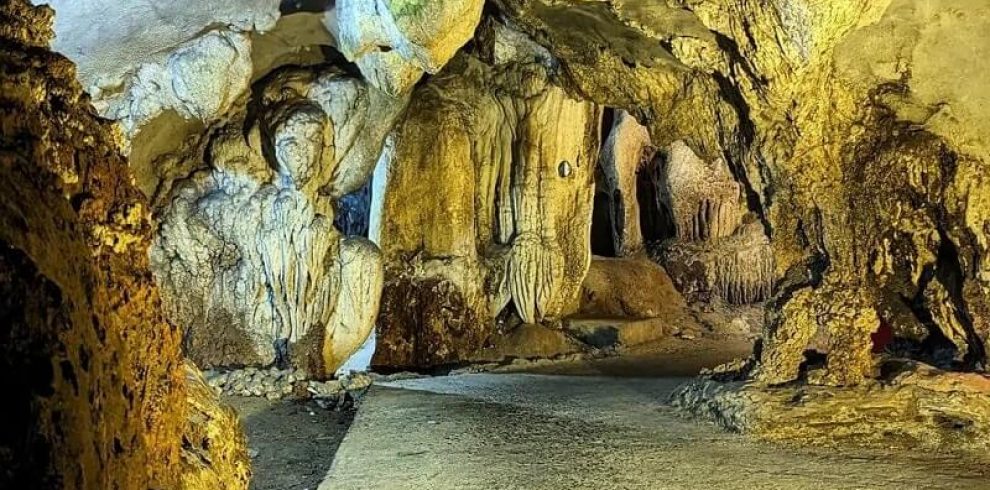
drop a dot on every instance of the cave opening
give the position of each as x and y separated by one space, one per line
606 231
653 195
605 227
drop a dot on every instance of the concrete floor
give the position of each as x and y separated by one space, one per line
537 431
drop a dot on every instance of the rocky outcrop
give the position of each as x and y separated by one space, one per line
915 407
615 288
91 371
514 226
394 42
247 254
214 449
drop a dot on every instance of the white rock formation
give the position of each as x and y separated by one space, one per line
706 201
110 39
200 80
247 256
625 152
394 42
140 58
719 249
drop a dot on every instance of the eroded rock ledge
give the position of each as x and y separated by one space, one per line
914 406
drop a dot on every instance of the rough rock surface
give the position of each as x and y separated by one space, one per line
394 42
853 149
916 407
84 342
513 226
110 39
183 62
738 268
276 384
630 288
714 248
247 254
214 450
529 341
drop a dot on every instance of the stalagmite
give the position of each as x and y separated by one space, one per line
625 153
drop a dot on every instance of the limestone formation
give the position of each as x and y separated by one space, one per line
849 142
714 248
916 407
394 42
738 269
703 198
614 288
828 159
186 59
512 226
91 371
626 152
200 80
214 449
247 255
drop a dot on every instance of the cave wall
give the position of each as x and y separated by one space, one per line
84 343
247 254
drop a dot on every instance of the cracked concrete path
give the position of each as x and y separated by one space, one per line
527 431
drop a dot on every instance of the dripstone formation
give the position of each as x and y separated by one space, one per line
247 252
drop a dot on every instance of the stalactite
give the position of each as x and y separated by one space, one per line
744 275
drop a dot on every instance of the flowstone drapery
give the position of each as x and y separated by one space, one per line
248 256
512 226
717 249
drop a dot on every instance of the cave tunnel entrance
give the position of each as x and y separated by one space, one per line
604 228
605 231
656 220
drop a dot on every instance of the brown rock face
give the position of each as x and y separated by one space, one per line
214 450
426 322
630 288
91 370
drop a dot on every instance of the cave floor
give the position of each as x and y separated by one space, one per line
582 430
292 443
